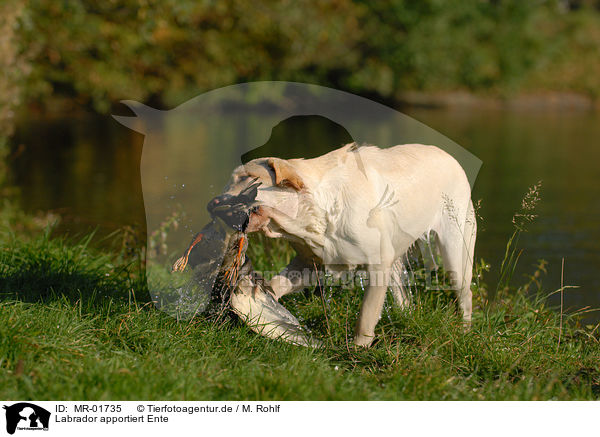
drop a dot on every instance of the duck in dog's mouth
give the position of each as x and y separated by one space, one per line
224 236
237 285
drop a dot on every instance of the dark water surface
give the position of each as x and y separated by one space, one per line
87 170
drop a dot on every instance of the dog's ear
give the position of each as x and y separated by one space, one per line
285 174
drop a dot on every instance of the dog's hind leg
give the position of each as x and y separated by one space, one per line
468 247
425 247
456 238
397 278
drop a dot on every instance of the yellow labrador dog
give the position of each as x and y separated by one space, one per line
364 206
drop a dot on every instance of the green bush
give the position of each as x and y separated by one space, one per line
164 52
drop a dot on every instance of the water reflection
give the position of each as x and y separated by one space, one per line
87 169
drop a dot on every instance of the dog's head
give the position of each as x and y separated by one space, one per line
259 195
257 191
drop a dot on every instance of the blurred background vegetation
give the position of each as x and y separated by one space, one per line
62 57
57 55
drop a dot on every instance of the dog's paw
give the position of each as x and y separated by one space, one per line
363 340
466 325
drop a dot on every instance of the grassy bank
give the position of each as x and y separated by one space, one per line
76 324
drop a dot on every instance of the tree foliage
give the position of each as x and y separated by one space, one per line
165 51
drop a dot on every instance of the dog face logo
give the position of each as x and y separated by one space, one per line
26 416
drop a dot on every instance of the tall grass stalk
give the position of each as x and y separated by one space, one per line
562 293
520 220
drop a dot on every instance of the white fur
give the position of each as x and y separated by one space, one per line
366 206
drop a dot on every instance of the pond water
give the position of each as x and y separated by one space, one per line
87 170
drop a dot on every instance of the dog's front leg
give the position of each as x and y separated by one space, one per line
290 279
370 311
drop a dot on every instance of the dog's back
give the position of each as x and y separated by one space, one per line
363 191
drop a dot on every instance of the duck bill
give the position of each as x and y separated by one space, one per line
235 210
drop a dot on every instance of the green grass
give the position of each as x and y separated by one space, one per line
76 324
